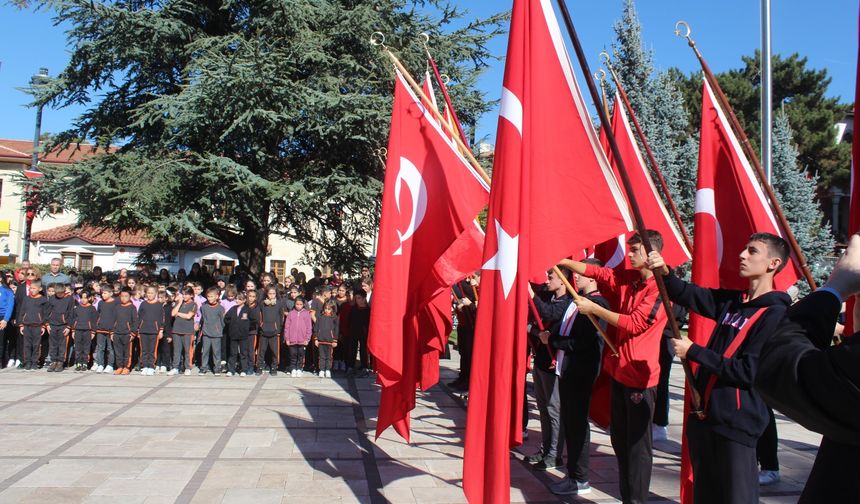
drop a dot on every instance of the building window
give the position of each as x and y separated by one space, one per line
279 268
69 259
85 262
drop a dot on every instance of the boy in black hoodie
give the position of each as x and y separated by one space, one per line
60 307
32 319
722 440
238 322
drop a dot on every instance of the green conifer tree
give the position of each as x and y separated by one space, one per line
796 191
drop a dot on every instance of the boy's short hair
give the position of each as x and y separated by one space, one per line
188 291
106 287
36 282
126 290
654 238
213 290
196 284
593 261
776 247
51 285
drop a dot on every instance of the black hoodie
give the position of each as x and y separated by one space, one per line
735 410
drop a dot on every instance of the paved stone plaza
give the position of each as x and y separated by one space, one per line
70 437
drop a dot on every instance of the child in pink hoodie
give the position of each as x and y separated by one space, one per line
297 334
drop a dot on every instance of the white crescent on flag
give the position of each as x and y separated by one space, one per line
411 177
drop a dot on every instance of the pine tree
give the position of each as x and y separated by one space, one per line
659 107
796 192
242 118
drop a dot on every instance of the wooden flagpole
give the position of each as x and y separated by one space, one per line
651 159
750 152
696 397
378 39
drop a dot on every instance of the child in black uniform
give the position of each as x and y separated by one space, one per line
150 331
83 324
59 311
31 319
238 322
126 324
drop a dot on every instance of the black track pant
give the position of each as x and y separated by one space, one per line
268 345
147 350
32 344
57 343
240 353
724 471
122 350
575 395
83 343
768 444
297 357
325 350
630 433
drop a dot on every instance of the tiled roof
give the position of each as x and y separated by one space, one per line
100 236
92 235
23 150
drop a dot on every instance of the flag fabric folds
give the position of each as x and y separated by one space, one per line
730 206
854 205
552 194
426 243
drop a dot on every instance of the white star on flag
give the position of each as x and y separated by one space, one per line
505 260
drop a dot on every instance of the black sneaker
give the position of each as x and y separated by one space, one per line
543 466
203 371
273 372
534 459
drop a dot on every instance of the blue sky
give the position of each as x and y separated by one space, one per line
824 31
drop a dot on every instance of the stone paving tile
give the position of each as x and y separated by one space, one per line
177 415
35 413
211 396
85 394
35 440
167 442
11 393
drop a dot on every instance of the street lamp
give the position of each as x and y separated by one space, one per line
40 79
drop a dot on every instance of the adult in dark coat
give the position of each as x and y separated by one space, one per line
818 385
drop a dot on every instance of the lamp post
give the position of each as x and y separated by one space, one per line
40 79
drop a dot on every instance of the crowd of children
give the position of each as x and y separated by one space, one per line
234 326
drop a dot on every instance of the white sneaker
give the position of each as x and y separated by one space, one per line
568 486
173 372
328 374
299 373
229 373
659 433
17 363
163 369
293 373
766 478
108 369
99 368
242 374
11 363
187 372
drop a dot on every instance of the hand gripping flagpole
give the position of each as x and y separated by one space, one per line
378 39
750 152
628 187
651 159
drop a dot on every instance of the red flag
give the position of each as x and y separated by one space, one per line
547 155
854 206
430 198
730 206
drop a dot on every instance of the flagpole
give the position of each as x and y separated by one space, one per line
628 187
378 39
750 153
651 159
425 39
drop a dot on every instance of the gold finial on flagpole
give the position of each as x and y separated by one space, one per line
686 33
377 39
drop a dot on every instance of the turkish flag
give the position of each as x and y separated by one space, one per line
547 155
854 206
730 206
430 198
